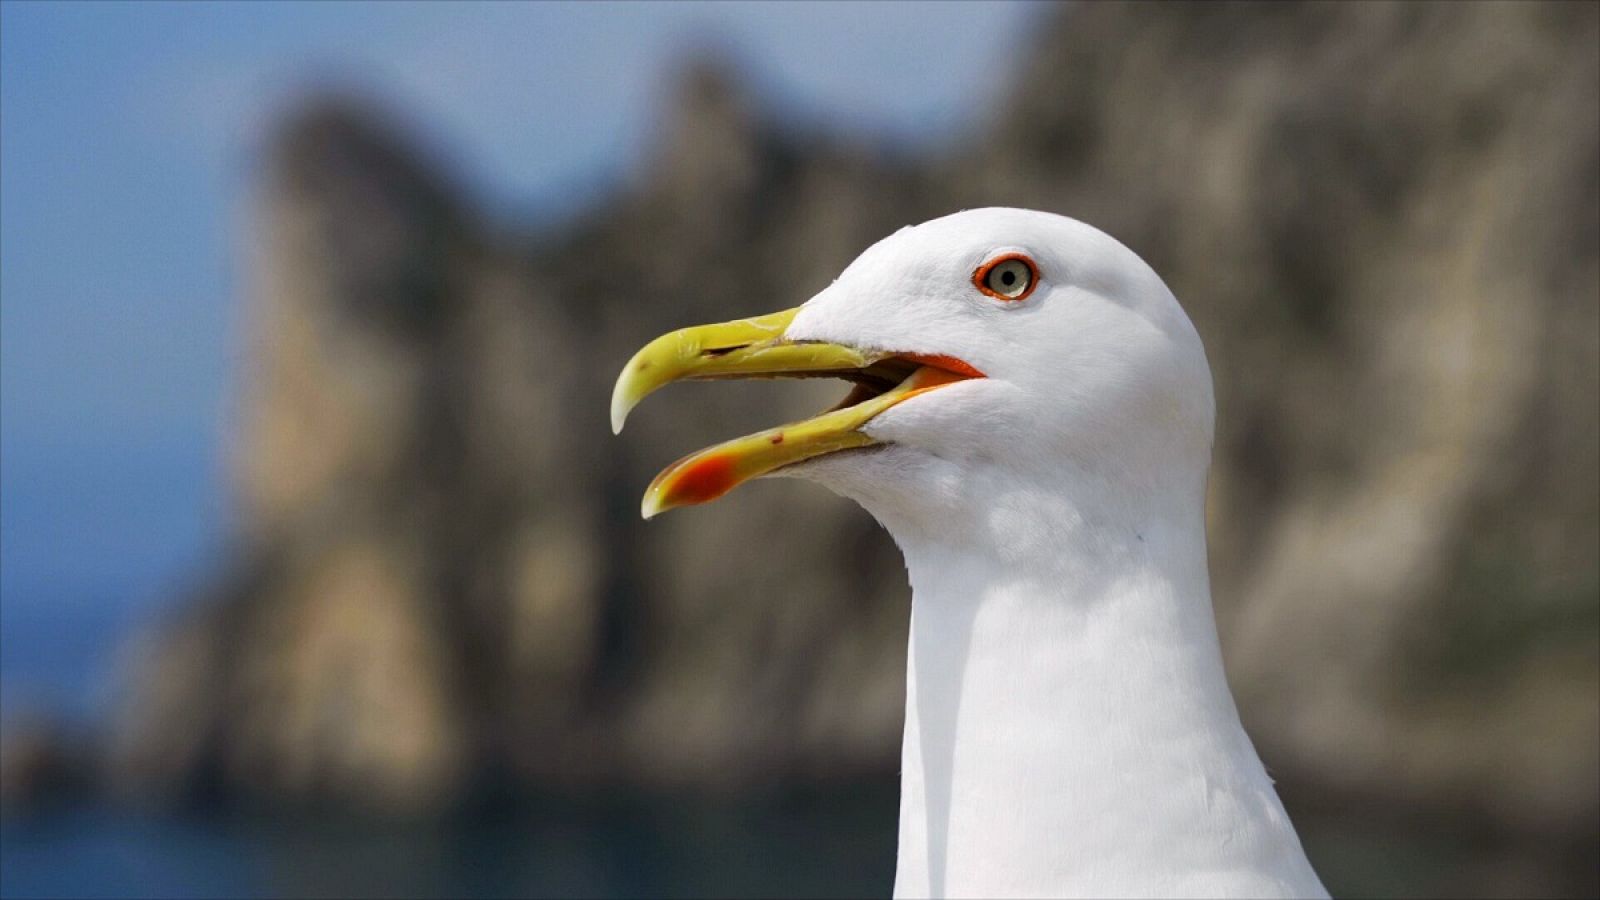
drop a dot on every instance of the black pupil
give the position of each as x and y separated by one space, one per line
1008 278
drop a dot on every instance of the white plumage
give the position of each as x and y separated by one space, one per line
1069 728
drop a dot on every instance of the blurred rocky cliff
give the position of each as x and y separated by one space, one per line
1383 220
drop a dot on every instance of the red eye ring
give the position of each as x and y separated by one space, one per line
980 278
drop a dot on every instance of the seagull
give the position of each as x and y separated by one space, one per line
1031 420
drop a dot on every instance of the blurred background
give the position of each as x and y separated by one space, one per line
321 574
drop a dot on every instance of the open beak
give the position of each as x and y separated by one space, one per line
756 348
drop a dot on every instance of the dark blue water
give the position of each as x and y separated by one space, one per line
834 843
838 842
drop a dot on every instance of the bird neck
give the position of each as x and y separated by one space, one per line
1069 728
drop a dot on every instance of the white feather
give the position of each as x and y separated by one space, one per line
1069 728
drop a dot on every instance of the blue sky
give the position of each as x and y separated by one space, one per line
128 135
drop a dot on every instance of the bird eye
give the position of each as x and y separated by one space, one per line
1010 277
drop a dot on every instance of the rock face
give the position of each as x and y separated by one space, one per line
40 763
1383 220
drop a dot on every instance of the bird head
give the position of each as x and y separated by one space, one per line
1003 342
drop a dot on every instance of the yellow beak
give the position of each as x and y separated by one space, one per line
756 348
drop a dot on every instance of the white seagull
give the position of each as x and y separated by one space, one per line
1032 422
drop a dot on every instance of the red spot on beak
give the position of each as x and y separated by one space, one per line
703 482
777 438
